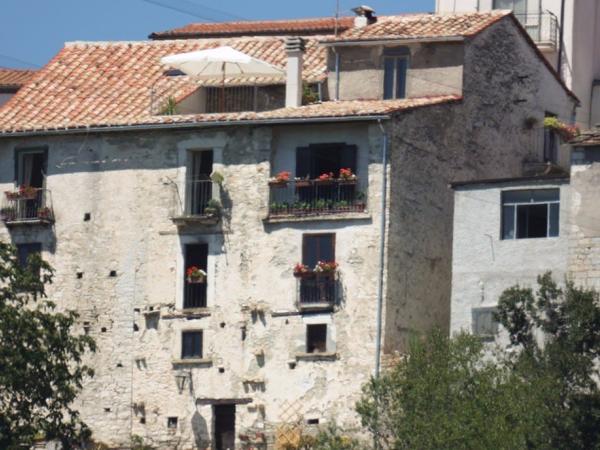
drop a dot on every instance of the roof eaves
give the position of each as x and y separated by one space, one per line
511 180
390 40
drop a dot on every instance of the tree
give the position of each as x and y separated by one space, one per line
41 368
556 335
445 393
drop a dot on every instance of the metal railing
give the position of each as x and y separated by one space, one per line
317 290
194 295
315 197
33 205
231 99
198 192
542 27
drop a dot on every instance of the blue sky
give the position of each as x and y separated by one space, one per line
32 31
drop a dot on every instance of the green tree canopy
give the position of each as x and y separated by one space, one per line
41 368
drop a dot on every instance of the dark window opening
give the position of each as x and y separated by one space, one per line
318 247
317 159
551 142
484 323
530 213
24 257
191 345
195 293
31 167
316 338
199 184
395 66
172 422
224 420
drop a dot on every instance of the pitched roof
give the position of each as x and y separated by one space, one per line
14 78
326 110
588 138
300 27
420 26
120 82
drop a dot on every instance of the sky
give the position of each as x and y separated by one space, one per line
32 31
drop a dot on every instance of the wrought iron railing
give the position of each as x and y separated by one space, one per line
317 290
198 193
29 205
542 27
315 197
231 99
194 295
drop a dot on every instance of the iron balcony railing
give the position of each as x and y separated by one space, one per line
316 290
194 295
198 194
30 205
542 27
315 197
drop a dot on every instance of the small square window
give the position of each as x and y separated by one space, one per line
191 345
172 423
484 324
316 338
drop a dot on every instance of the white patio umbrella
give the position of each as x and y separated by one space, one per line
220 61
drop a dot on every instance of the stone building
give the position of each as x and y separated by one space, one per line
509 231
138 176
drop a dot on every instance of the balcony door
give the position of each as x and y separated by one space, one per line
199 185
31 168
317 159
194 296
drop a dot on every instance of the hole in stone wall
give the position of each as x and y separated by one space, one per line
135 327
312 421
86 327
221 370
142 420
113 273
222 324
106 409
119 364
171 422
87 217
103 329
79 275
243 333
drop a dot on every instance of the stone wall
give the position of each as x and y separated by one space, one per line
126 181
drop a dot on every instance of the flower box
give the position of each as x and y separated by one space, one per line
278 184
195 275
303 271
303 183
280 180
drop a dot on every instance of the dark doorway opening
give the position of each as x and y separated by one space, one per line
224 427
199 183
196 255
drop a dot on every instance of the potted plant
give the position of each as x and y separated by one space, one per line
566 132
213 208
28 192
325 178
280 180
195 275
347 177
326 267
44 213
302 182
302 271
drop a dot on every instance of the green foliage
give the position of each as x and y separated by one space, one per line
170 107
41 369
333 438
217 177
309 95
137 443
556 333
446 394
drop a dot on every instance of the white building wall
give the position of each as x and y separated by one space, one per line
483 264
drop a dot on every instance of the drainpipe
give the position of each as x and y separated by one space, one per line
561 33
337 74
384 151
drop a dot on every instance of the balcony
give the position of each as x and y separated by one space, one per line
27 206
199 207
306 198
542 28
317 291
194 295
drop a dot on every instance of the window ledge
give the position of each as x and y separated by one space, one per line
190 313
321 306
327 217
328 356
192 362
195 220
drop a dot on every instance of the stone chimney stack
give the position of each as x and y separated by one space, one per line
365 15
294 46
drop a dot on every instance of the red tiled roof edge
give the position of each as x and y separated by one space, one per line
14 78
309 26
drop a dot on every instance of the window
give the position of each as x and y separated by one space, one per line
194 296
172 423
316 338
484 324
24 251
191 345
30 167
395 65
317 159
199 184
317 247
550 143
518 6
530 213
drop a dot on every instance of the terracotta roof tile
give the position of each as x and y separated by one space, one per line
589 137
14 78
122 81
301 27
342 109
421 26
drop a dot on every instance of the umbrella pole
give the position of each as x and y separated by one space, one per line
223 89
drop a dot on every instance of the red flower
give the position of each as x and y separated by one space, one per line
326 176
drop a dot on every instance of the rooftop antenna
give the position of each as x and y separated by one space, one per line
337 16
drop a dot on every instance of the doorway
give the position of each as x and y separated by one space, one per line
224 432
199 184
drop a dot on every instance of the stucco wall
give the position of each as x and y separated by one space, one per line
125 181
483 264
433 69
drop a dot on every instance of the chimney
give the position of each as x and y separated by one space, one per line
294 46
365 15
